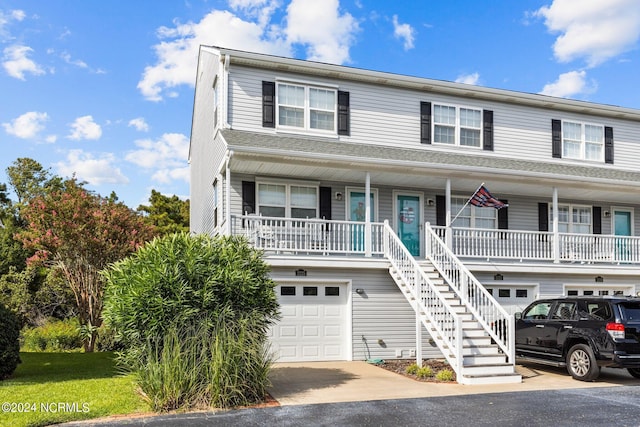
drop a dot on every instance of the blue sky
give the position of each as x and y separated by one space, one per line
104 89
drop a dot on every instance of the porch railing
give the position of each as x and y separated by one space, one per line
540 245
486 310
429 301
311 236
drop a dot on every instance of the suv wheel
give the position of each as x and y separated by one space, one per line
581 363
635 372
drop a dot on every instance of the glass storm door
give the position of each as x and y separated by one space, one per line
357 213
408 222
622 227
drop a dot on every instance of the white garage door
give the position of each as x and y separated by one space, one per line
313 324
513 298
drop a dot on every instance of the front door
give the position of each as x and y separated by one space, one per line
408 217
622 227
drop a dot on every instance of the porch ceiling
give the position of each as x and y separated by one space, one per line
331 160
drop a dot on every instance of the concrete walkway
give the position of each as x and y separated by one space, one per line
331 382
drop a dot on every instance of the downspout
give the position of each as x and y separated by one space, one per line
227 191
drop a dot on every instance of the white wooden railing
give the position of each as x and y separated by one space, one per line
486 310
540 245
429 300
310 236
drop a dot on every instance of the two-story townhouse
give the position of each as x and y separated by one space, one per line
355 182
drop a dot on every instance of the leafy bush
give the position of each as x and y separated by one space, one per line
9 342
445 375
424 372
107 340
55 335
183 304
412 369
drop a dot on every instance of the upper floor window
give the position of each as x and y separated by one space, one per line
582 141
572 219
287 200
473 216
457 125
306 107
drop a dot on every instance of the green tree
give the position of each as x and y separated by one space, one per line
29 179
79 233
9 345
167 214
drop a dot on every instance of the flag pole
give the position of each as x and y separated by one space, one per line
465 205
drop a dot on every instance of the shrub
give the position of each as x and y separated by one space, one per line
192 313
445 375
9 342
55 335
412 369
424 372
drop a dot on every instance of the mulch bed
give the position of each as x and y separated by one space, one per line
399 366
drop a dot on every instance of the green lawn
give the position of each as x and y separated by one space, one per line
57 387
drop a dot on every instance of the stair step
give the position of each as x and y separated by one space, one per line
488 369
490 379
492 350
476 341
473 332
482 359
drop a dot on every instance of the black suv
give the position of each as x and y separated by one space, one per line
581 333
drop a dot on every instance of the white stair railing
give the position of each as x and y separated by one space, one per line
491 315
435 312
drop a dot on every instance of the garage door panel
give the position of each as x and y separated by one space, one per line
313 323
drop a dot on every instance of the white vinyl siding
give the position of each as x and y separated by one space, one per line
582 141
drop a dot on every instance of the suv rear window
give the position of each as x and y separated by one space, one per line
599 310
630 311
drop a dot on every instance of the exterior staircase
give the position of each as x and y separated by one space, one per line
467 336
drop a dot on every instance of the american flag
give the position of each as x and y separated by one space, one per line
482 198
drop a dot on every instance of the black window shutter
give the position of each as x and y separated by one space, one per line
608 144
556 139
487 130
325 202
503 217
248 197
543 217
344 127
441 210
597 220
425 124
268 104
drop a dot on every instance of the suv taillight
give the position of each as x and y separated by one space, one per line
616 330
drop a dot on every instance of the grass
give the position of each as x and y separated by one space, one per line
87 385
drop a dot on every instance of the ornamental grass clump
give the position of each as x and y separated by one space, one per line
192 313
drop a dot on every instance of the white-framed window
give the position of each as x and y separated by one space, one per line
582 141
473 216
306 107
287 200
454 125
572 219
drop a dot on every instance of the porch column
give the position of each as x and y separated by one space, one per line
556 235
448 231
227 195
367 215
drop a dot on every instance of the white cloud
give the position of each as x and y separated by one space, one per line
6 18
403 32
569 84
27 126
319 27
595 30
66 57
140 124
85 128
470 79
327 34
95 170
166 156
16 62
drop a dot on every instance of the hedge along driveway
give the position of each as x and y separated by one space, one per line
58 387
